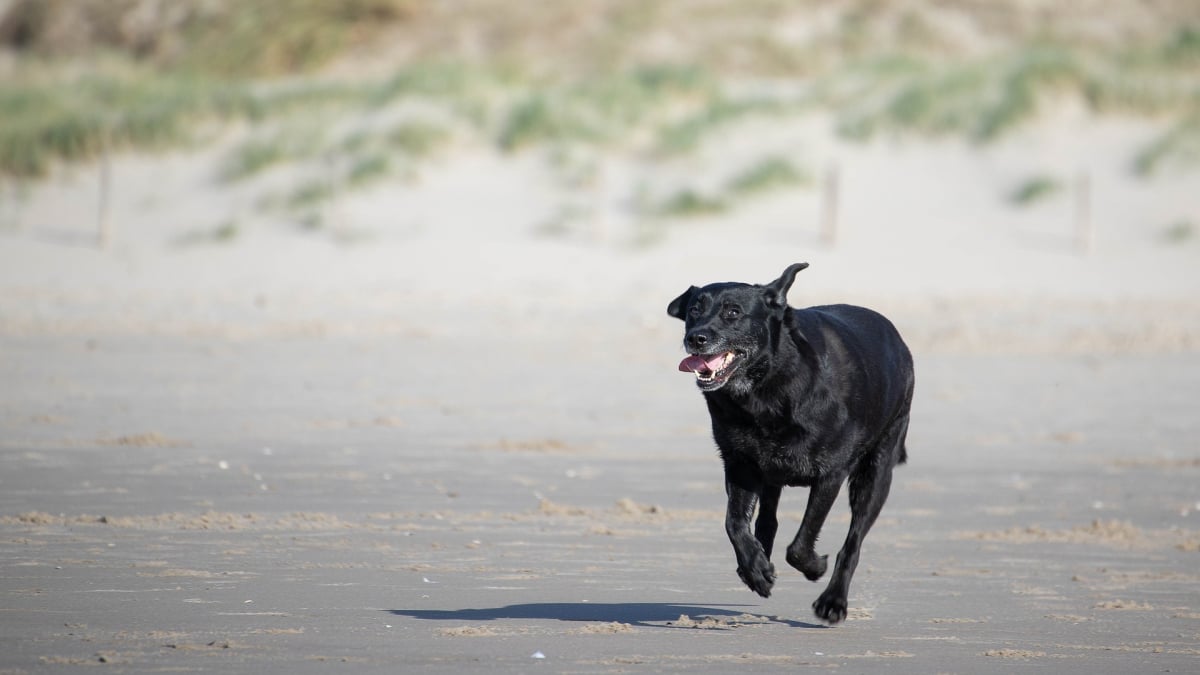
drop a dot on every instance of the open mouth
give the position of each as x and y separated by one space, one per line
712 370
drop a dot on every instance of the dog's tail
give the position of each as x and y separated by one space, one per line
899 437
902 455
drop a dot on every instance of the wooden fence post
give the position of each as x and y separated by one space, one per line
829 204
1084 232
103 219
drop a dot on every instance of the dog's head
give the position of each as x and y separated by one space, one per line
729 326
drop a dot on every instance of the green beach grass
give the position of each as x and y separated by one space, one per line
268 66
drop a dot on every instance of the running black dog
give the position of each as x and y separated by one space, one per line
802 397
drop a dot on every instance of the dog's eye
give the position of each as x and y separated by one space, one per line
732 313
694 311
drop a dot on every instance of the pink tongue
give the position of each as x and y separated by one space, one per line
696 364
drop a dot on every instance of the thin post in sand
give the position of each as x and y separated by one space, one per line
103 220
600 203
10 193
1084 231
829 204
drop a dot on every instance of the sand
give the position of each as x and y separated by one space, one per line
452 444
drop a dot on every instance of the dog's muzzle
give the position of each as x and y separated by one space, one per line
712 370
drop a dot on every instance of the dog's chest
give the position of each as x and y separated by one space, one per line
785 459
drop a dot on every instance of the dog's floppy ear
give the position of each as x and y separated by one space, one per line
678 306
776 291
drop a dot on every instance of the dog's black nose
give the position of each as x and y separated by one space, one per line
697 339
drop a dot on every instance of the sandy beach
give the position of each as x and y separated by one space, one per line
445 441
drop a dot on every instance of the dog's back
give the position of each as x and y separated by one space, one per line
860 350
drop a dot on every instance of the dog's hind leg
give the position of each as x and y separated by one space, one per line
869 487
767 522
801 553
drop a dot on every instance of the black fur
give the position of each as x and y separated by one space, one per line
812 397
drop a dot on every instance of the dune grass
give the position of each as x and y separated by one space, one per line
603 110
72 119
766 175
1179 232
689 202
1034 190
62 112
1177 146
758 178
983 99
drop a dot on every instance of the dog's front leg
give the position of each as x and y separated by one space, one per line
753 567
767 523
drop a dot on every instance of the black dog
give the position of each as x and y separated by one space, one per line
808 397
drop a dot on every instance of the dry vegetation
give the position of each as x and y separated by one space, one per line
753 38
86 77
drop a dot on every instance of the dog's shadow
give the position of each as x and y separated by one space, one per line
645 614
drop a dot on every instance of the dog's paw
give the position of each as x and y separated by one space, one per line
760 577
809 563
830 607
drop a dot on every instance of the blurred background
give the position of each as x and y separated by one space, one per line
201 161
345 306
